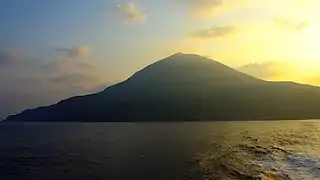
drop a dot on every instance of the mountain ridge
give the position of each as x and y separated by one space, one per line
185 87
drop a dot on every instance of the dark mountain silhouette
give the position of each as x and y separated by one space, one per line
186 87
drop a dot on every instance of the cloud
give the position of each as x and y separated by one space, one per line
70 77
132 12
214 32
203 3
38 83
265 70
80 51
291 24
10 57
209 8
5 58
302 25
77 82
283 71
68 68
30 92
277 71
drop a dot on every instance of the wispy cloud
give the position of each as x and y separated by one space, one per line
80 51
202 4
214 32
283 71
132 12
302 25
267 70
291 24
70 77
69 68
209 8
47 81
10 57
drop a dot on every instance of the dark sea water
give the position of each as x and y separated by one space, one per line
160 151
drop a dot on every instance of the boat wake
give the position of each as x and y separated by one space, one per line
270 156
291 165
260 163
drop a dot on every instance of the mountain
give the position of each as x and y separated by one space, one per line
186 87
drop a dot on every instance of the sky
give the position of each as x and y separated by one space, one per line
55 49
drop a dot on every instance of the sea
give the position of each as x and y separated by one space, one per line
266 150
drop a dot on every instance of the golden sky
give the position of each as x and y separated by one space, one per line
273 36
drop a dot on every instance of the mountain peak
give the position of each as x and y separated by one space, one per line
178 54
189 56
184 54
191 68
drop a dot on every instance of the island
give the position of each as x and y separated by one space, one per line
185 87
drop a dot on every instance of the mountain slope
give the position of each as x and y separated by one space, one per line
186 87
